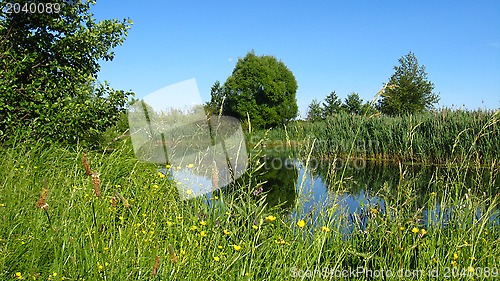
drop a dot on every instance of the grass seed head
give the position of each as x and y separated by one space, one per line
42 200
86 165
215 175
97 184
155 266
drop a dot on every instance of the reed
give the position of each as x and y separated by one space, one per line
435 137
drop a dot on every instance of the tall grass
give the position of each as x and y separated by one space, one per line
138 229
434 137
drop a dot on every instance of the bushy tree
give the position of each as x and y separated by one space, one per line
353 104
48 69
214 106
332 105
262 87
315 111
408 90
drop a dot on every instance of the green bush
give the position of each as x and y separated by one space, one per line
48 86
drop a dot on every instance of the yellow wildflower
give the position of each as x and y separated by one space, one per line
423 232
194 227
189 166
203 234
301 223
161 175
415 230
19 275
454 263
226 232
325 229
270 218
216 258
255 227
455 256
203 223
168 166
236 247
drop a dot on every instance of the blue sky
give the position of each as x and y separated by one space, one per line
346 46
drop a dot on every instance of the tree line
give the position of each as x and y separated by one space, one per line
262 90
49 88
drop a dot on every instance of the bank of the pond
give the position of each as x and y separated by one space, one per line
433 138
57 225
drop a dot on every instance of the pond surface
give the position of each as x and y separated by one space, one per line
316 186
354 189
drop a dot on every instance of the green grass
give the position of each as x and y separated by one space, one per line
90 238
435 137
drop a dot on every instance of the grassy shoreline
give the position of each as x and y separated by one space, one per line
150 234
430 138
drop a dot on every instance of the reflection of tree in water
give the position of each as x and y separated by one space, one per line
370 177
280 176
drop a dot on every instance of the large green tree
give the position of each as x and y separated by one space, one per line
48 68
408 91
262 88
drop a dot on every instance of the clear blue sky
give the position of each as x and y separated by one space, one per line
346 46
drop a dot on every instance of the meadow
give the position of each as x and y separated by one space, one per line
71 214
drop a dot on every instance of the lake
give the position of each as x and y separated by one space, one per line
353 188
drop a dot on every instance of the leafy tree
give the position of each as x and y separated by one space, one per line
408 90
48 69
332 105
353 104
262 87
315 111
217 99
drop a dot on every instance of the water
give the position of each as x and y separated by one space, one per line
362 182
308 191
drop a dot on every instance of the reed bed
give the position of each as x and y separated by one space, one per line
436 137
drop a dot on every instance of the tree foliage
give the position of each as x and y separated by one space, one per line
332 105
315 111
408 90
260 86
214 106
353 104
48 69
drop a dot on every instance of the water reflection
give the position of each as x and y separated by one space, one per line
363 182
280 178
